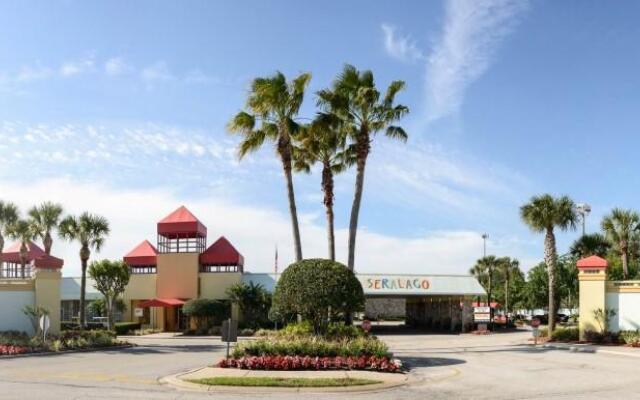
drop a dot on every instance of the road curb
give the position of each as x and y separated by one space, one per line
585 348
178 383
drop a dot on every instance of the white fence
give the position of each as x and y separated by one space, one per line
11 304
627 308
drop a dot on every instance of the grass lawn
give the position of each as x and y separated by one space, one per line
283 382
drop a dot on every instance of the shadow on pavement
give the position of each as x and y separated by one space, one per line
413 362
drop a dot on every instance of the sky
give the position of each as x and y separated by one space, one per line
119 108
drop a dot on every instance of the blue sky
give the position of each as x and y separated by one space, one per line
120 108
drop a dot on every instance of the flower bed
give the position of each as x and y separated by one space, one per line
287 363
10 349
12 343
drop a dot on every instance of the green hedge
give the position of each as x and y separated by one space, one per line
313 347
565 335
122 328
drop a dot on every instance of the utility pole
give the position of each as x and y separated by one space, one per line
583 209
484 244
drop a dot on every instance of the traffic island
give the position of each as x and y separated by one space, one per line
260 381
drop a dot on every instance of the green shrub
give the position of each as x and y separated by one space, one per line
14 338
543 332
246 332
123 328
320 291
254 302
565 335
601 338
313 347
207 312
631 338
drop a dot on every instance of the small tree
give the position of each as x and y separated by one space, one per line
34 313
602 317
320 291
254 302
111 278
99 307
206 312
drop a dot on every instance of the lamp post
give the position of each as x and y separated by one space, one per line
484 244
583 209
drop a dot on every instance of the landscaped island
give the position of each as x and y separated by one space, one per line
12 343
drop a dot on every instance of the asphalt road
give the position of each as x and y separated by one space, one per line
445 367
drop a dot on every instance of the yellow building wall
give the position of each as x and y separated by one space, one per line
213 285
592 296
140 287
177 275
47 295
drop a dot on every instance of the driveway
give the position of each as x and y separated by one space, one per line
445 367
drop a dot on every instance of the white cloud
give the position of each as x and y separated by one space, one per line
157 72
472 31
71 68
401 47
30 74
253 230
116 66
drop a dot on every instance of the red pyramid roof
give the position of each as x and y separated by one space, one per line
143 254
221 252
181 223
592 262
35 254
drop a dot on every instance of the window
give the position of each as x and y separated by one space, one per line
219 268
142 269
14 271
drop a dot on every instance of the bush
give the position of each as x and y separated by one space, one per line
320 291
207 312
601 338
631 338
14 338
383 364
123 328
565 335
543 332
246 332
254 302
312 347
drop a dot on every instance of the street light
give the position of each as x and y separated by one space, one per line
583 209
484 244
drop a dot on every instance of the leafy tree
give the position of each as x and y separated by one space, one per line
21 231
273 104
620 227
45 218
363 111
34 313
111 279
544 213
206 311
589 245
99 307
537 287
90 231
509 270
324 142
8 216
320 291
484 271
254 302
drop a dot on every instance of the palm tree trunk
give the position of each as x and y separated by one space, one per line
506 299
84 258
327 188
292 207
625 262
23 259
489 297
47 242
550 260
109 304
1 251
362 150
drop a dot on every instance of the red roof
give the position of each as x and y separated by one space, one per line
221 252
161 303
35 254
592 262
143 254
181 223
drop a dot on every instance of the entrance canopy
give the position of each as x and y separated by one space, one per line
161 303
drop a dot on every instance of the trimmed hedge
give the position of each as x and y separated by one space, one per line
313 347
122 328
565 335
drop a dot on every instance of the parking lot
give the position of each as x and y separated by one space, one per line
500 366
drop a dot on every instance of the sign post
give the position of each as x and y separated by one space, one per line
45 324
482 316
229 332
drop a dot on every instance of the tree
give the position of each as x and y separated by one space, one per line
99 307
537 287
21 231
324 142
254 302
273 104
320 291
589 245
509 268
620 227
111 279
34 313
206 311
8 216
544 213
45 218
90 231
484 272
356 102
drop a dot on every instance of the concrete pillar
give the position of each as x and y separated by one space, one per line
47 294
592 276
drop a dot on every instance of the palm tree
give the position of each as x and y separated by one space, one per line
45 218
589 245
274 103
8 216
620 227
324 142
543 214
90 231
483 271
508 267
21 231
363 112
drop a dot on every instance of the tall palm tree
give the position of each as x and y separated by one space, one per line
90 231
22 231
8 216
620 228
45 218
508 267
363 111
589 245
484 272
273 104
544 213
324 142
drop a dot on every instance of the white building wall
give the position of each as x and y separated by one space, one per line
627 307
11 316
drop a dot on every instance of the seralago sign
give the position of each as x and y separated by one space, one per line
372 284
